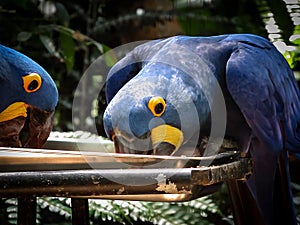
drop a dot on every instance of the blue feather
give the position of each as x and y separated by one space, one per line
14 65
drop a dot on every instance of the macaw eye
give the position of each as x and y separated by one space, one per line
32 82
157 106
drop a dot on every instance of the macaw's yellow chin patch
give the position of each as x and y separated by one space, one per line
167 134
14 110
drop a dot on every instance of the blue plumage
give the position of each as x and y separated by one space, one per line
259 90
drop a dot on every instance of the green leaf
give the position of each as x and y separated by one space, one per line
24 36
67 48
110 59
56 205
49 45
98 46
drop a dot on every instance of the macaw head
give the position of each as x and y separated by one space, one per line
28 99
156 110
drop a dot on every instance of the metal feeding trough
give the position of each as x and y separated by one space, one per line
80 170
86 173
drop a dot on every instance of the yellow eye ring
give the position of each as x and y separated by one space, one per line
157 106
32 82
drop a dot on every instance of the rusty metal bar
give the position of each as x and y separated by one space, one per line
93 183
187 183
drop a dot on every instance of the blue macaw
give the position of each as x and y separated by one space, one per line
161 96
28 100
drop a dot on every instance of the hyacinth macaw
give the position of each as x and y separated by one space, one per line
28 99
161 95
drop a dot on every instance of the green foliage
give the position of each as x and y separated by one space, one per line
282 22
193 212
52 34
60 206
203 18
296 199
11 211
66 37
202 211
108 210
293 55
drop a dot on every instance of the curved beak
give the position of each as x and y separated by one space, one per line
166 139
23 125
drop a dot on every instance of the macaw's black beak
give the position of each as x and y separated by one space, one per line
164 140
163 148
29 131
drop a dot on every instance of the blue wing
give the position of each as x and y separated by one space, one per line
263 86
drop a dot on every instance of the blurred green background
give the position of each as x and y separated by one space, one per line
65 37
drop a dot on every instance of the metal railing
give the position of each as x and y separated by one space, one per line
81 175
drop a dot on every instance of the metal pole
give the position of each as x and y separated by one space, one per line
27 210
80 211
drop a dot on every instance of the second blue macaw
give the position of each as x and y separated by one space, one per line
161 96
28 100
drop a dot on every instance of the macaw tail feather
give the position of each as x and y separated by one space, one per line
283 197
246 209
